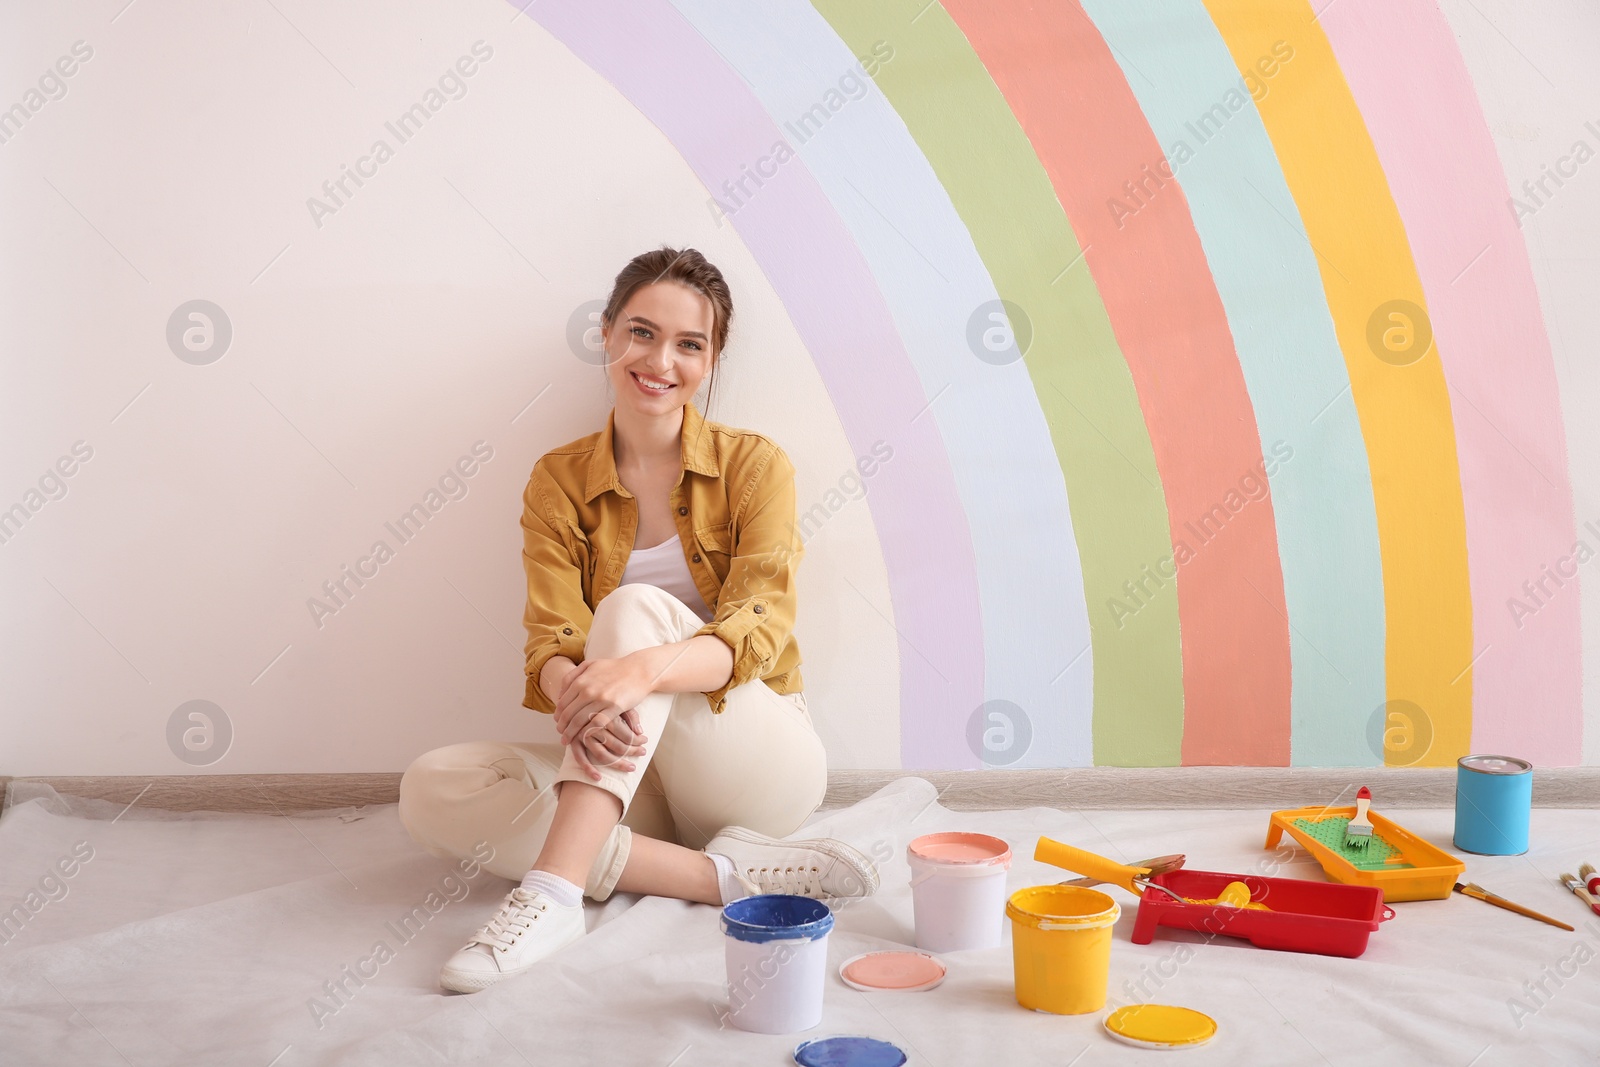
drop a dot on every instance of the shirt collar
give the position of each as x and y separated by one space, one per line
699 453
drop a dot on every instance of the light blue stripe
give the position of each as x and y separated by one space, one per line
1030 580
1178 66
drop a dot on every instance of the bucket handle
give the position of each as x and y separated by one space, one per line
1388 913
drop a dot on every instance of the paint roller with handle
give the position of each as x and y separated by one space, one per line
1134 879
1157 865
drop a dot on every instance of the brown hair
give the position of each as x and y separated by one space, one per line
688 268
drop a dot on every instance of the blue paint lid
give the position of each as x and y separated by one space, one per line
776 917
848 1051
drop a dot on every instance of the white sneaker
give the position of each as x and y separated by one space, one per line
528 927
821 868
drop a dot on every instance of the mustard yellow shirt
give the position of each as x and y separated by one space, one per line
733 506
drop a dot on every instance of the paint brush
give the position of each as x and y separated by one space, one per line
1591 879
1358 832
1477 892
1580 892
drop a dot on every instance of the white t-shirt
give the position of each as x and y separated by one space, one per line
663 565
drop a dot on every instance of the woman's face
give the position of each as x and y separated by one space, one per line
659 348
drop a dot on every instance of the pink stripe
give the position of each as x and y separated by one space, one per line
1421 109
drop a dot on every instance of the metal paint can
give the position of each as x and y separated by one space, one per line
1494 801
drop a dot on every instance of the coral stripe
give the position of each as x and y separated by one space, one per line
1066 88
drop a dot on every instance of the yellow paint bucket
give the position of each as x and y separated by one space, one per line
1061 947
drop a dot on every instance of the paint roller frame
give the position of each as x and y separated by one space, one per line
1134 879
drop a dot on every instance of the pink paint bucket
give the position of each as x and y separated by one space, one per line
958 890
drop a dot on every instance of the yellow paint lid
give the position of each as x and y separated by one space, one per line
1160 1026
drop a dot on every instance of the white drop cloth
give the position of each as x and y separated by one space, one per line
204 939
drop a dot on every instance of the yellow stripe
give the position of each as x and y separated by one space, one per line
1403 403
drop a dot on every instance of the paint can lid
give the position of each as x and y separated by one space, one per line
1162 1026
900 969
776 917
956 848
1062 907
1496 764
848 1051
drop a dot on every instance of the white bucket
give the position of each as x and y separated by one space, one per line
958 890
777 958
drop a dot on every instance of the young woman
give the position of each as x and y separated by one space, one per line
661 555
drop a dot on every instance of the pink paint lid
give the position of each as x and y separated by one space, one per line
900 969
958 848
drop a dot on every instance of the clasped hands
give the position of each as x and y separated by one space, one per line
597 711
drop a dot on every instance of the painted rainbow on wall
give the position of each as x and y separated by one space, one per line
1281 440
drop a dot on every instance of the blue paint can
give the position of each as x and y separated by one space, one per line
1494 801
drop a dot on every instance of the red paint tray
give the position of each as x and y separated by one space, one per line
1321 917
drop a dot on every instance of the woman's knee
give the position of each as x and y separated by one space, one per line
633 616
416 784
631 599
432 778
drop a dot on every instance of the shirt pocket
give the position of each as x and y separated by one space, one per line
716 546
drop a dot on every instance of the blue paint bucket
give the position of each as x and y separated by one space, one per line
1494 802
777 958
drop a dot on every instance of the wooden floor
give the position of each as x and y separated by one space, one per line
1097 788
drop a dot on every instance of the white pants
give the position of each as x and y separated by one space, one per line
758 764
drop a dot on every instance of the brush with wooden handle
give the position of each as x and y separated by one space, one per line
1158 865
1580 892
1477 892
1358 834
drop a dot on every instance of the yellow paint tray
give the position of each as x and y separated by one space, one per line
1397 861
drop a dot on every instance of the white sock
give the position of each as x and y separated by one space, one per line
554 886
727 884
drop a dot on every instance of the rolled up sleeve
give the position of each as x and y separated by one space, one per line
756 607
557 618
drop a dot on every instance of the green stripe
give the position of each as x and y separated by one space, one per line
1001 191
